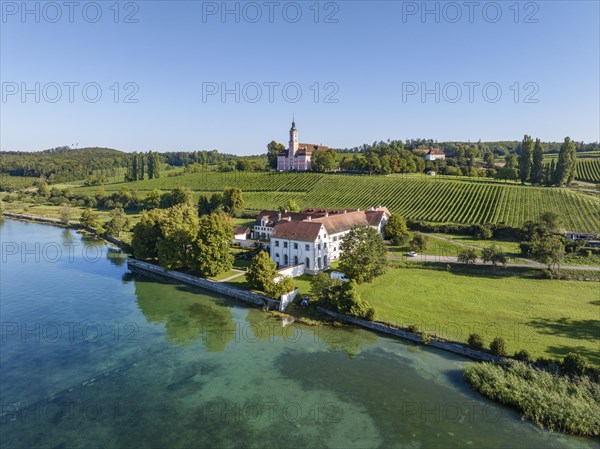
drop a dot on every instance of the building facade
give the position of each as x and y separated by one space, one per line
434 154
298 155
313 237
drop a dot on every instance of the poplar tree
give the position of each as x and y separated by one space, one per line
525 158
537 169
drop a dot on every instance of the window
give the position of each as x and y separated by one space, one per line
325 245
276 242
285 244
295 260
295 246
276 255
285 259
306 247
319 246
307 263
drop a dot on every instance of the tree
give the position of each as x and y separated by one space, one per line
290 206
498 346
117 223
324 161
467 255
179 195
153 199
141 162
65 213
262 271
146 234
281 287
550 222
273 150
233 201
395 229
525 158
507 173
363 254
179 230
484 232
341 297
419 242
489 159
89 219
537 169
153 165
551 175
565 167
212 255
549 250
475 341
510 160
493 254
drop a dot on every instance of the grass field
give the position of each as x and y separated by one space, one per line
416 197
548 318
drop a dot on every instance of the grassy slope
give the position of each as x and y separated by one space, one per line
416 197
548 318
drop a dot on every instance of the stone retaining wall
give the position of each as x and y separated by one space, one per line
219 287
397 332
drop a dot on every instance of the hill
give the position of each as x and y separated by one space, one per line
417 197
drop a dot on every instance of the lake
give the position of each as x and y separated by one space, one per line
94 356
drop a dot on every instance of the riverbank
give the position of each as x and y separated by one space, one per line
76 226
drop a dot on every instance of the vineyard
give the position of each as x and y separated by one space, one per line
415 197
588 170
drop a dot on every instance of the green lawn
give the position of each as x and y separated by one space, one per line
546 317
508 246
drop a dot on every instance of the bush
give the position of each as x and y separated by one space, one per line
523 356
413 328
573 364
498 346
467 255
559 403
475 341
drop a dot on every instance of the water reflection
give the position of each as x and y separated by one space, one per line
188 316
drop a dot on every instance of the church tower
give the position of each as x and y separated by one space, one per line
293 148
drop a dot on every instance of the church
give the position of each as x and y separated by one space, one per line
298 155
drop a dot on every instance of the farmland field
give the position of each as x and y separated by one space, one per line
414 196
588 170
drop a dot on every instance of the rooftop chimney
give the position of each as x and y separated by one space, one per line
279 216
309 218
289 218
326 214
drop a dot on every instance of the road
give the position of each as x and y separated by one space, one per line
454 259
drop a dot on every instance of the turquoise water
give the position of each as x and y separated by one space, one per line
94 356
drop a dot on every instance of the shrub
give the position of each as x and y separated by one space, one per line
573 364
475 341
426 339
559 403
498 346
413 328
523 356
467 255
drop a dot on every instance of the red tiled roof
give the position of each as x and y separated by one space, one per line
306 231
435 151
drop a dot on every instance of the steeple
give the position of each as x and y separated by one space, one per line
293 148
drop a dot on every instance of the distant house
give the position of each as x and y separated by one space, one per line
241 233
298 155
431 173
312 237
434 154
591 240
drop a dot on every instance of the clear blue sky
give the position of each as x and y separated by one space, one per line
368 54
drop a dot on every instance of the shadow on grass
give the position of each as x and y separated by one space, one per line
566 327
485 271
593 357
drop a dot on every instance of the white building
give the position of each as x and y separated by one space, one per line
298 155
434 154
314 240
